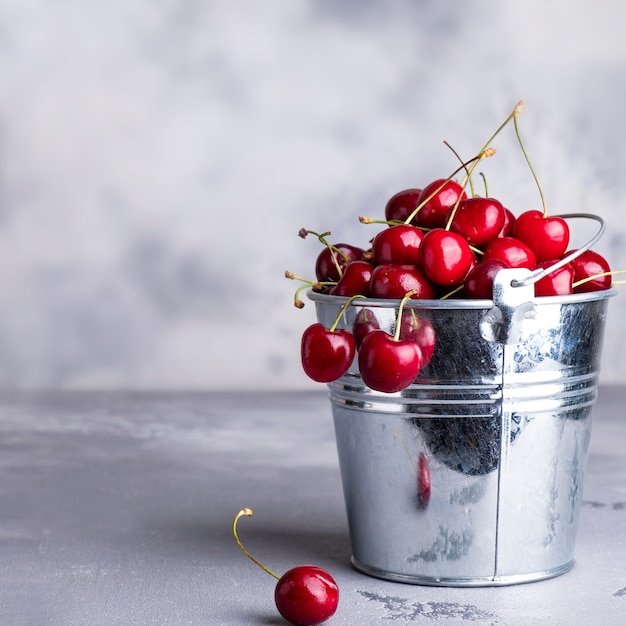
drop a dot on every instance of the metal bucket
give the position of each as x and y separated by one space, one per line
497 426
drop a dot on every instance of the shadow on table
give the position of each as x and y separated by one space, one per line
195 541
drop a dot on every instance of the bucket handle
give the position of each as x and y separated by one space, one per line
513 292
537 275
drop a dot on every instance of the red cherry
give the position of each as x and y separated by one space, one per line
355 280
423 480
509 223
434 212
547 237
479 220
479 280
402 204
557 282
418 329
395 281
397 244
327 260
306 595
364 323
326 354
512 252
445 257
387 364
588 264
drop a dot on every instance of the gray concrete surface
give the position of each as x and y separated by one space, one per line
116 509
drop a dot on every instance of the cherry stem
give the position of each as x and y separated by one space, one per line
514 113
303 232
532 171
248 513
456 154
481 155
372 220
342 310
512 116
484 183
407 296
588 279
487 152
315 285
451 293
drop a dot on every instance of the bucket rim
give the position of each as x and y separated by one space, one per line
458 304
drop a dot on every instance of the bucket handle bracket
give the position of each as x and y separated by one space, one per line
514 291
511 306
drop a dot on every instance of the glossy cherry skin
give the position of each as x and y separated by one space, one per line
402 204
479 280
397 244
509 223
325 267
418 329
590 263
423 480
326 355
388 365
435 210
445 257
395 281
355 280
510 251
547 237
556 283
479 220
306 595
365 322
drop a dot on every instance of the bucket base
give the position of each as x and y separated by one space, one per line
490 581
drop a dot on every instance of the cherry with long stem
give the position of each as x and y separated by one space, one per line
387 362
326 354
546 236
305 595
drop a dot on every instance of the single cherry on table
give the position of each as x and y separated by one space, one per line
305 595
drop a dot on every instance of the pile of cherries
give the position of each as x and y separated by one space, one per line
441 241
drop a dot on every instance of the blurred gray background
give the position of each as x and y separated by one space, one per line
158 157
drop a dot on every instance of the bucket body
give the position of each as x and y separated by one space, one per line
472 475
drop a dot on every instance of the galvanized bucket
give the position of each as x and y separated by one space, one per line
473 475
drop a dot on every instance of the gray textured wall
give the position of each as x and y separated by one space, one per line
158 158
